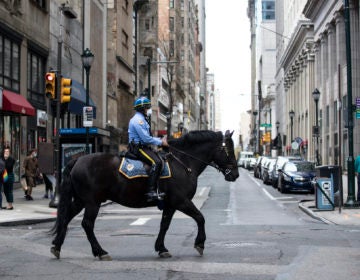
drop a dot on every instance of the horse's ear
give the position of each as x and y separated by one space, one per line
228 133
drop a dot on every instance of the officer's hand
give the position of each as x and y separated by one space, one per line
164 142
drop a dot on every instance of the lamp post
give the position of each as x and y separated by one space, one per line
350 201
87 59
316 130
278 140
255 131
292 115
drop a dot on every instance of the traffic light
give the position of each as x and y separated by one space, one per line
50 85
65 90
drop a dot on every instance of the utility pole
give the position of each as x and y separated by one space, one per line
63 9
350 202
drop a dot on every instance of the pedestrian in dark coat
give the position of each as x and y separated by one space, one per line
8 185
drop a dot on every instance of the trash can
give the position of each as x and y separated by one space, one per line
324 192
334 170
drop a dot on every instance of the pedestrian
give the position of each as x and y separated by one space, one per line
2 169
8 185
31 168
140 141
48 180
357 171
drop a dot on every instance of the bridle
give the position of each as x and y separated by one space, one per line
223 147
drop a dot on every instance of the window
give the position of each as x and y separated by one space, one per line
172 47
125 5
335 114
171 24
268 9
35 73
125 39
9 63
171 4
147 24
182 22
182 4
40 3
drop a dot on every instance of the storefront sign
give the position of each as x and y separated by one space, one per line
41 118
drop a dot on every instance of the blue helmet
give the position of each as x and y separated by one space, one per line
142 103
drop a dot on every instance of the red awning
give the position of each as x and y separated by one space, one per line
16 103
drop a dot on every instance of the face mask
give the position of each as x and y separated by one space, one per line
34 154
149 112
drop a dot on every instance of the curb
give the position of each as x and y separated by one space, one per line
313 215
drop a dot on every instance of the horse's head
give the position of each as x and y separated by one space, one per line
225 159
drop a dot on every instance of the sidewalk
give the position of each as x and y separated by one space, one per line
27 212
38 210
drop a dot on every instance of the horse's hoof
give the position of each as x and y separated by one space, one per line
199 249
105 258
165 255
55 252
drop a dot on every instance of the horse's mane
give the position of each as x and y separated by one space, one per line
195 137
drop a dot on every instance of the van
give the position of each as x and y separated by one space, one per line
243 157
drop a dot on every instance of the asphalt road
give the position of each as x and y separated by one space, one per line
253 232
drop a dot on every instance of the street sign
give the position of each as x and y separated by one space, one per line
357 107
88 116
265 125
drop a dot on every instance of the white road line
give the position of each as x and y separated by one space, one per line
268 194
140 222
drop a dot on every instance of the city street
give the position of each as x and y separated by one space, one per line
253 232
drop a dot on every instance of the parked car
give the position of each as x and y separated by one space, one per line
296 176
257 167
264 162
250 163
243 157
280 161
267 170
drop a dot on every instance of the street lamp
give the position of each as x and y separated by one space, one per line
316 130
255 131
277 126
87 59
292 115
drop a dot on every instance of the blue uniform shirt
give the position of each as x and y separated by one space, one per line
139 131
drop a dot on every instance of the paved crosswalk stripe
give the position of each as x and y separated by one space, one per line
140 222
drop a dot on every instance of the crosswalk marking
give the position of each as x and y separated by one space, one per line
140 222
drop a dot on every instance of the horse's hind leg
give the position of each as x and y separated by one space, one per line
88 223
190 209
62 224
164 226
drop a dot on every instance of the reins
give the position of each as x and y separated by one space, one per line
212 164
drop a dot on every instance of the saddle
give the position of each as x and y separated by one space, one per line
131 167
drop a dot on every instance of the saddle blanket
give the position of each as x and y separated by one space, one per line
132 169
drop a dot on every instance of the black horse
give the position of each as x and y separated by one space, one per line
94 178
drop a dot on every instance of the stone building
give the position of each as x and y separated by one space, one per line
168 44
312 55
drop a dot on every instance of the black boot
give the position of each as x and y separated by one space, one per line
153 193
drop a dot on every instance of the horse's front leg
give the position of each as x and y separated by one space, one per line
167 215
190 209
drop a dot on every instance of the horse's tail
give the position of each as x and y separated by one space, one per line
66 194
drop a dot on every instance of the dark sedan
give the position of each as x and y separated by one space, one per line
296 176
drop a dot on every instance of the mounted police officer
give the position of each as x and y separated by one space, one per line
140 141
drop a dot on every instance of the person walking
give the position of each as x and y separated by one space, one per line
8 186
2 169
31 168
357 171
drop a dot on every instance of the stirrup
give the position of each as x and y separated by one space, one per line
155 195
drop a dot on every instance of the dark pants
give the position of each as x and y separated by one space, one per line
48 184
147 155
358 183
8 187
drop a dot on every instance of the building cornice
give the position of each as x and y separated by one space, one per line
303 35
